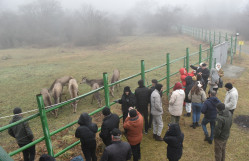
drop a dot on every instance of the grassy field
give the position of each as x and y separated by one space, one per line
29 70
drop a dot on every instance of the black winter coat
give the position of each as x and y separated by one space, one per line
21 132
174 138
109 123
142 94
117 151
86 131
205 72
209 108
189 85
127 101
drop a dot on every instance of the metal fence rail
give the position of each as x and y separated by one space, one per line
200 34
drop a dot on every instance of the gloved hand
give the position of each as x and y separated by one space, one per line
116 101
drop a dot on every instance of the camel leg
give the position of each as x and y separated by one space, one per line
92 98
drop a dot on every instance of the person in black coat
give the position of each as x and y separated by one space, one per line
87 134
142 94
174 138
110 122
204 72
127 100
189 85
118 150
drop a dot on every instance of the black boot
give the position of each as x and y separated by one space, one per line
197 124
206 138
193 125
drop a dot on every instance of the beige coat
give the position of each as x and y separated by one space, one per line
231 99
176 102
201 97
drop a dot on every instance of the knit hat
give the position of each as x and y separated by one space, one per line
127 89
220 106
154 81
116 132
178 85
17 110
229 85
46 157
133 113
106 111
204 65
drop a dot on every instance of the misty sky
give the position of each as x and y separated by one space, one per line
123 6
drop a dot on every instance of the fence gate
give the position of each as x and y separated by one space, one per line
220 54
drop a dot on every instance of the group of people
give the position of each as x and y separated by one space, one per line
143 109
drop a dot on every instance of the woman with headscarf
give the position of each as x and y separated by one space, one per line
127 100
214 80
174 138
176 103
220 71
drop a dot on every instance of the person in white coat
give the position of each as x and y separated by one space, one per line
157 111
231 98
176 103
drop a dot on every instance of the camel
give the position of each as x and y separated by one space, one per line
63 80
56 93
96 95
46 98
115 78
100 82
73 90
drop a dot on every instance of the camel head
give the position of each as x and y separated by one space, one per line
83 80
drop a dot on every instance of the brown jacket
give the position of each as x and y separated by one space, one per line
134 127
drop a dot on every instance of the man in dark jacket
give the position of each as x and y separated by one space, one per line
118 150
210 114
189 85
222 131
87 134
174 138
23 135
204 72
128 100
110 122
142 94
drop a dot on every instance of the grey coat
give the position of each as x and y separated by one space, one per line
156 103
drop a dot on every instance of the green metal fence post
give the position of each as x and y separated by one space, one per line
209 36
226 37
214 38
214 62
235 44
200 56
219 37
168 73
231 50
187 59
44 122
142 71
106 89
240 51
210 56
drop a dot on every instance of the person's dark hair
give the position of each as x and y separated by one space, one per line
106 111
198 77
46 157
203 65
154 81
158 87
195 89
133 113
229 85
212 93
17 110
140 83
220 106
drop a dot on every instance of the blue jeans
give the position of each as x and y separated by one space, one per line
196 108
212 124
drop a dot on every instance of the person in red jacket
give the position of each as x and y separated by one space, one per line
184 74
134 126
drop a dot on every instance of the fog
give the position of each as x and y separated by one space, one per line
43 23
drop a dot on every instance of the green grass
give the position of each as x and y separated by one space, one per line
30 70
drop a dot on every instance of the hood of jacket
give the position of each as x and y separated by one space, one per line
174 130
127 89
16 118
224 113
183 71
85 119
213 100
189 80
180 91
